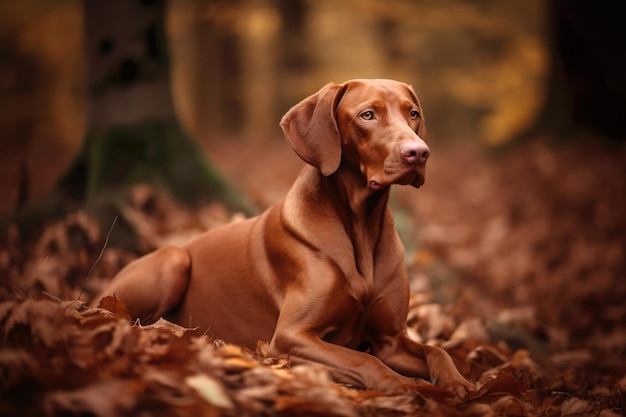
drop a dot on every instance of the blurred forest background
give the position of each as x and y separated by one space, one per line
520 223
480 68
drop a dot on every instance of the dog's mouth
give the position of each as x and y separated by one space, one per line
415 178
412 175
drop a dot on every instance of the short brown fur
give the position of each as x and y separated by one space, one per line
321 274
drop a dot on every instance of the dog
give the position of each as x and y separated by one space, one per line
320 274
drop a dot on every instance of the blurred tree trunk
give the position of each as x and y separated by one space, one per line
213 79
296 57
587 81
133 133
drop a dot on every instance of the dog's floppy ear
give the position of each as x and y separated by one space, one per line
311 129
421 129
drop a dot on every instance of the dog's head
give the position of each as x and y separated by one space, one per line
374 126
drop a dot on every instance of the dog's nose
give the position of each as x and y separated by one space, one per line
415 152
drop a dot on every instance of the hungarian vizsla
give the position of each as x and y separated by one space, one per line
321 274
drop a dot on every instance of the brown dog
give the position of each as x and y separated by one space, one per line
320 274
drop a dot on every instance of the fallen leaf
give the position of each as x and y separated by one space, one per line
509 406
503 383
115 306
163 324
576 407
210 390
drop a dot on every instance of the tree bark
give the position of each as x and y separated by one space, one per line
134 135
586 88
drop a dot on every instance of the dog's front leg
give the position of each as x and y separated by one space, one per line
307 318
415 359
345 365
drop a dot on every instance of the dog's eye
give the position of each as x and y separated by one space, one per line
415 114
367 115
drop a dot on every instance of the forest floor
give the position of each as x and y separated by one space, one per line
517 266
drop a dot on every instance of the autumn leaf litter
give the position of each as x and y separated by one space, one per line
539 325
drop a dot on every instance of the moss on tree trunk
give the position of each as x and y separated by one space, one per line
156 152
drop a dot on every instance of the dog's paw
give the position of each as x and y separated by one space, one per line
454 383
444 374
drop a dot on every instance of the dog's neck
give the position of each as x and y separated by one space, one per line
359 201
348 209
362 211
343 195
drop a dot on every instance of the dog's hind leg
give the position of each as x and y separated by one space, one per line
152 285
